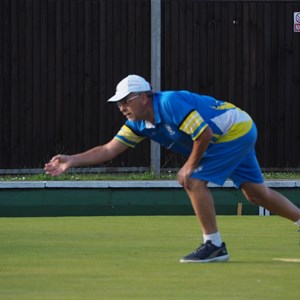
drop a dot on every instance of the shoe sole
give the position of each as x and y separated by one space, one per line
222 258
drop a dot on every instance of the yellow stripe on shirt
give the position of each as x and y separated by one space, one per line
128 137
192 122
237 130
225 105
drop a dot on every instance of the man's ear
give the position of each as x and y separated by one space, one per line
145 99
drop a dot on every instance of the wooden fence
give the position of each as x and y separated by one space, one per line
61 59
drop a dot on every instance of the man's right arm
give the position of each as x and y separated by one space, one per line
61 163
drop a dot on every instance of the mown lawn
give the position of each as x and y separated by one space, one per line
137 258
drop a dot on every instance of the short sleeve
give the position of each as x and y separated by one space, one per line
128 137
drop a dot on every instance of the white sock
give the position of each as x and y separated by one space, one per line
298 222
215 238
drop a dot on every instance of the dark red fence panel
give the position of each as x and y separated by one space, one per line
61 59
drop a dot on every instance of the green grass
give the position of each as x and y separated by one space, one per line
124 176
137 258
86 176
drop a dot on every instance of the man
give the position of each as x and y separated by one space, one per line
216 138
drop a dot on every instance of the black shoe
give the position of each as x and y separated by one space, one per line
207 252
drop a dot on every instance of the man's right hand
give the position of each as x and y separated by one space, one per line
58 165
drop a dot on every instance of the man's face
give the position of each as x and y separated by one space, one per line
132 106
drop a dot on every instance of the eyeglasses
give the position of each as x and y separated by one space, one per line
126 101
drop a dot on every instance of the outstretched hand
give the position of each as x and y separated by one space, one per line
58 165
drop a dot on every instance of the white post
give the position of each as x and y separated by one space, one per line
155 71
263 211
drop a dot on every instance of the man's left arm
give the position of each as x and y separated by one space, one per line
199 147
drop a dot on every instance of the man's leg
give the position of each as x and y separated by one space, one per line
203 205
202 201
273 201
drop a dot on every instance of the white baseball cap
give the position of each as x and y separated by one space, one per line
130 84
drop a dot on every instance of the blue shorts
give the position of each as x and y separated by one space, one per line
235 160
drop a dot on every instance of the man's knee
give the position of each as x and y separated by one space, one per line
196 184
256 194
253 199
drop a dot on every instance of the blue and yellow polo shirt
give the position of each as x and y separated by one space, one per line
181 117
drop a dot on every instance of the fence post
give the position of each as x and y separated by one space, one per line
155 72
